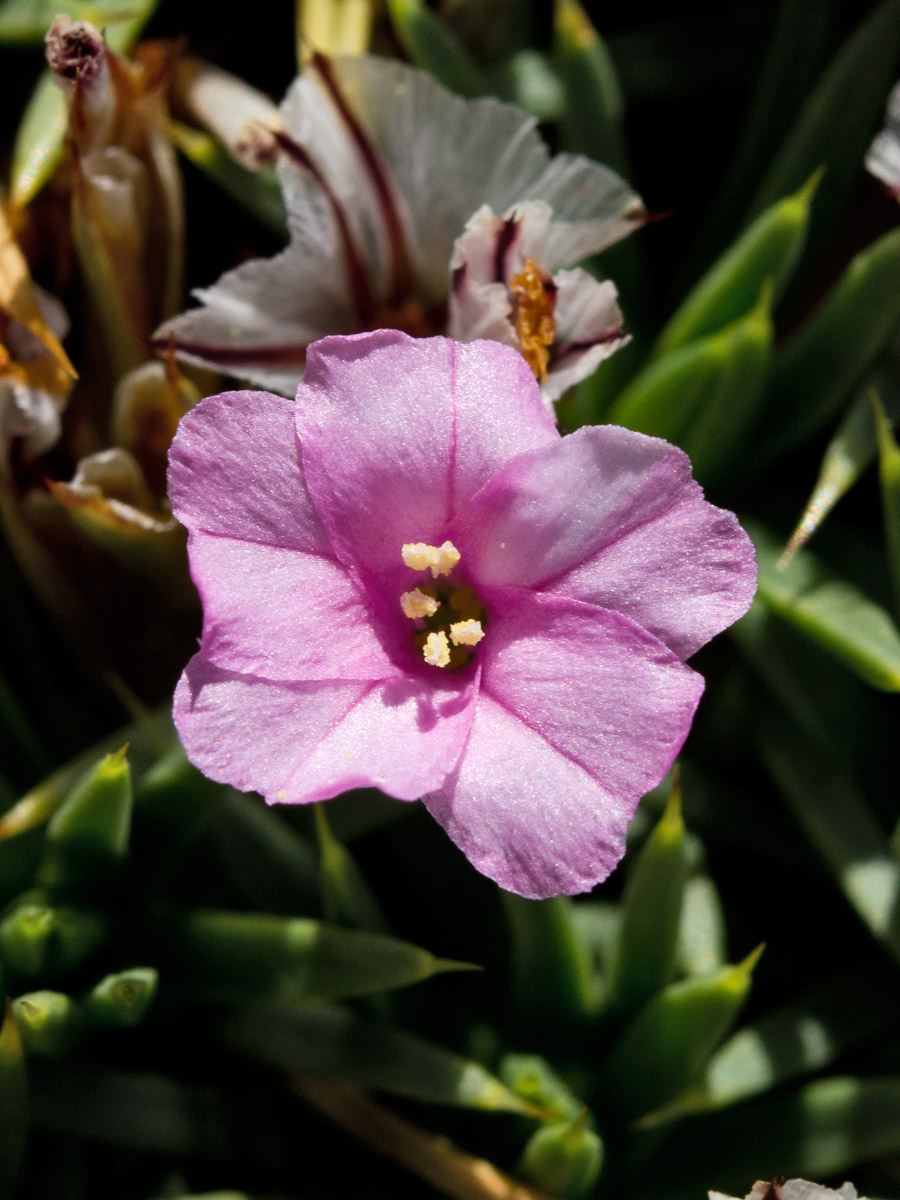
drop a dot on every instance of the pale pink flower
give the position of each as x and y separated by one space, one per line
381 170
883 156
542 694
793 1189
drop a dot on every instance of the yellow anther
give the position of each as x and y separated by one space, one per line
417 556
466 633
416 604
440 560
533 302
436 649
448 557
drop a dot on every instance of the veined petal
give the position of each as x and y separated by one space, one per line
480 310
397 433
593 207
298 742
447 156
234 469
589 328
311 119
613 518
494 249
282 614
257 320
593 710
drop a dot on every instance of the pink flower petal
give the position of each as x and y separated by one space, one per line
298 742
234 469
592 710
398 433
282 614
403 736
613 518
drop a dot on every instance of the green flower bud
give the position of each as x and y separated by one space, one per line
37 940
50 1023
563 1159
123 999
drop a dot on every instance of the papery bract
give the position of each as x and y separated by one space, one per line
127 205
416 494
381 169
35 373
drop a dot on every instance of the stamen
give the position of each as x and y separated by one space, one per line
417 604
466 633
533 303
448 557
437 649
418 556
440 560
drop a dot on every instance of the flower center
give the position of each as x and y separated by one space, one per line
448 619
533 301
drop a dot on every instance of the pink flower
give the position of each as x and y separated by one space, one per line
411 581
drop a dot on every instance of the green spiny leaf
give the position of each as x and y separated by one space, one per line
852 449
666 1046
702 946
595 107
346 897
839 822
260 956
835 348
87 837
550 962
889 474
806 1035
431 45
768 249
651 910
333 1042
830 611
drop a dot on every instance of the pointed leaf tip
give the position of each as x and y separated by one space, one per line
747 965
672 821
452 964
